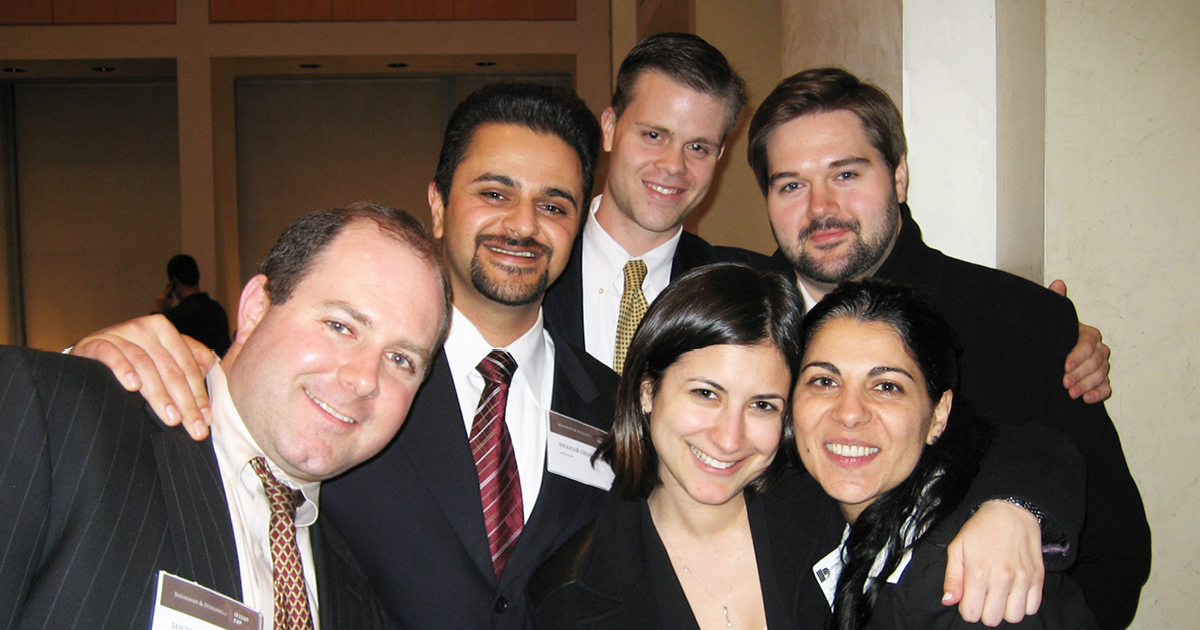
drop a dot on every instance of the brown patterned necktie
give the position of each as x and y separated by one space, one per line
291 593
499 481
633 308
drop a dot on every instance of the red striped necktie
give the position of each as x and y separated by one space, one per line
499 481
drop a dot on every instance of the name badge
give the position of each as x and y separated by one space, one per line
183 605
827 570
569 452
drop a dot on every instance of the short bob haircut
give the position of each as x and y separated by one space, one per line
724 304
820 91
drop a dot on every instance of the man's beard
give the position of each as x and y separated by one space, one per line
864 253
510 293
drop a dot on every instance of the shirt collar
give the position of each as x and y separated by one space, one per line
604 258
235 445
465 347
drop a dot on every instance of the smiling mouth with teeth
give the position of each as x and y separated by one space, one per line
848 450
329 410
715 463
663 189
510 252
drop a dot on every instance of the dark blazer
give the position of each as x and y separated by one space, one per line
563 306
1016 336
96 497
414 518
914 602
616 575
1029 462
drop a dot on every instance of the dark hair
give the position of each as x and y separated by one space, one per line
819 91
945 469
685 59
296 251
709 306
541 108
183 269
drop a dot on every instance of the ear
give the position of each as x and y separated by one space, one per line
647 396
608 124
941 414
721 152
901 178
437 208
252 307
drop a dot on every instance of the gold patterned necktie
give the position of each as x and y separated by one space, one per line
633 308
291 592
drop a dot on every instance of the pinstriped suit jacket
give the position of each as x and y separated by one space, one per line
96 496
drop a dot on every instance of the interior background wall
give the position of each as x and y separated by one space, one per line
749 35
1122 158
99 196
1095 154
209 57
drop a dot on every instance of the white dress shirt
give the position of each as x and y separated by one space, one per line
603 274
250 510
529 395
809 300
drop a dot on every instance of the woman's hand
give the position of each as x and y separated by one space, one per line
148 355
994 568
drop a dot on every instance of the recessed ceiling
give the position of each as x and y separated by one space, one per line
257 67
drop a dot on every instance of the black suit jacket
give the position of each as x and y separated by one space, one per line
96 497
1016 336
563 306
414 518
616 575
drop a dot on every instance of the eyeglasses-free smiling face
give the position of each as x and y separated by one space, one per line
512 215
324 380
663 152
716 420
861 412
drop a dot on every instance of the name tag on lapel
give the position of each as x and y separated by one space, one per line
179 603
569 452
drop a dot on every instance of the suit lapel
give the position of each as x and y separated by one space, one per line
436 443
558 497
691 252
197 511
563 307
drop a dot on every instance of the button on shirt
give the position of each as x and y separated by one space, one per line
529 395
249 509
603 274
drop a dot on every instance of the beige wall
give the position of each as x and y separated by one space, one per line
207 60
1122 166
98 188
1098 101
749 34
862 36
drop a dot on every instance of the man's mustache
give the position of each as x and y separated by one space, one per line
829 224
507 242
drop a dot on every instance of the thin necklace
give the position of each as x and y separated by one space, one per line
737 564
